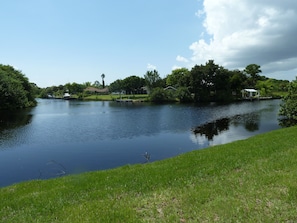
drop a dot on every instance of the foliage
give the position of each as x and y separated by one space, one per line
56 91
116 86
203 83
209 81
113 97
244 181
96 84
133 85
15 89
184 95
222 85
74 88
152 79
289 106
273 87
265 87
252 70
237 82
159 95
179 78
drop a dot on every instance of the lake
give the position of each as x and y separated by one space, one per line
60 137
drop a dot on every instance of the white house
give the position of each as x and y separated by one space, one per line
250 93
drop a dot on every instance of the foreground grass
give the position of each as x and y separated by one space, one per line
253 180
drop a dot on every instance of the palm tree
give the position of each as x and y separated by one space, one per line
103 76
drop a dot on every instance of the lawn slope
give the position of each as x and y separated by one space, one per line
253 180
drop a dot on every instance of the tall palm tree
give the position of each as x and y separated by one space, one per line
103 76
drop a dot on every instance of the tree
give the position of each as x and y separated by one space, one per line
152 78
133 84
15 89
202 81
265 87
184 95
252 71
87 84
237 82
74 88
159 95
179 78
96 84
288 109
222 85
199 84
116 86
103 83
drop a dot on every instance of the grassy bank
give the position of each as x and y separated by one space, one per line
253 180
111 97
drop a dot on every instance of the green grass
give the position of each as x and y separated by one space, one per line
110 97
253 180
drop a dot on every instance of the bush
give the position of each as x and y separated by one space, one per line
288 109
159 95
184 95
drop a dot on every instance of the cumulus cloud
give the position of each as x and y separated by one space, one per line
249 31
151 67
181 59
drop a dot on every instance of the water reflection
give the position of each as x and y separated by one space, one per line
10 121
212 129
209 130
249 121
64 137
14 119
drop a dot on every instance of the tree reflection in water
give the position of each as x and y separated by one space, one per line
12 119
212 129
250 121
209 130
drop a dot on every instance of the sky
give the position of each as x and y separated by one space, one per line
56 42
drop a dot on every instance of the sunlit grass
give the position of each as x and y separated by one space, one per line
111 97
253 180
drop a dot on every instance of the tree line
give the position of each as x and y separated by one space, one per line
202 83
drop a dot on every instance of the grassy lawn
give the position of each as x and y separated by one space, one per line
253 180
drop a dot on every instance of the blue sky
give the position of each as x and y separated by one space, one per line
59 41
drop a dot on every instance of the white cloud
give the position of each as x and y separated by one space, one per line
252 31
181 59
200 13
151 67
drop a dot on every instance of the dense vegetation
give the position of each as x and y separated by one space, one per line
203 83
244 181
15 89
288 109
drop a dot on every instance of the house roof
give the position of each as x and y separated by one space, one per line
250 90
170 88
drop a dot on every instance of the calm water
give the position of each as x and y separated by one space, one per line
63 137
